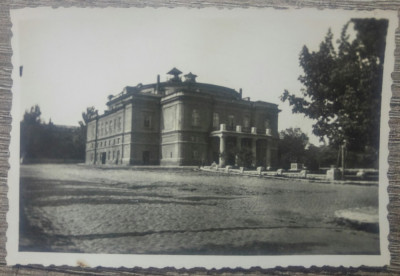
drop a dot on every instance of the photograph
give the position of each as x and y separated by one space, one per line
200 137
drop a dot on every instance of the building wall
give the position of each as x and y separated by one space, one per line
185 124
105 138
145 138
171 124
174 128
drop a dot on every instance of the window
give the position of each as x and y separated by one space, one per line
106 129
110 130
101 144
195 154
113 154
195 118
266 124
109 155
246 121
118 140
171 154
119 123
147 121
115 124
215 120
101 129
231 121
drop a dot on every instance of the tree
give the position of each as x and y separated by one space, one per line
40 141
342 86
88 115
33 116
31 133
80 137
292 146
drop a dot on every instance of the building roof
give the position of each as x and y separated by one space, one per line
190 77
174 72
164 89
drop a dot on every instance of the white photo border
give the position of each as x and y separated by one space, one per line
15 257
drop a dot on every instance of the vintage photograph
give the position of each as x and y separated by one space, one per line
203 133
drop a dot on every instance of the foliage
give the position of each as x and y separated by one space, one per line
342 86
31 133
39 140
292 147
245 157
312 158
88 115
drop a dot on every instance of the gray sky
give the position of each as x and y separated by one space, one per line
74 58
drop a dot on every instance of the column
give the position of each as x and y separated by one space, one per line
222 152
239 148
254 151
268 155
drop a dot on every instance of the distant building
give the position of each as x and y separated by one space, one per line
182 123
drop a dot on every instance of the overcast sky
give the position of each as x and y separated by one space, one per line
74 58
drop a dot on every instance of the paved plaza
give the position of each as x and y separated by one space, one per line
76 208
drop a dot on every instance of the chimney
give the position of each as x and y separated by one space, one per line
158 85
240 92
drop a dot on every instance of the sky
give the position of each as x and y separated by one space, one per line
74 58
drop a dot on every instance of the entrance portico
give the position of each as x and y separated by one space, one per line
231 142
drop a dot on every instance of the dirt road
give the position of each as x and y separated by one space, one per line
74 208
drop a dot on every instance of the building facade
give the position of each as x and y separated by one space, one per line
183 122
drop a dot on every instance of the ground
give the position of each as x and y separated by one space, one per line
76 208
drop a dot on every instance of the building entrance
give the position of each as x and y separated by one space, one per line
146 157
231 151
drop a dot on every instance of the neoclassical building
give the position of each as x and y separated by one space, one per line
182 122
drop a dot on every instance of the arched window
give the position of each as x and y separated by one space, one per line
195 118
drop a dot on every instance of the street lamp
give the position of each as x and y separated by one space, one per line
343 157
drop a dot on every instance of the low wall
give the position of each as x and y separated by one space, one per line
292 175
